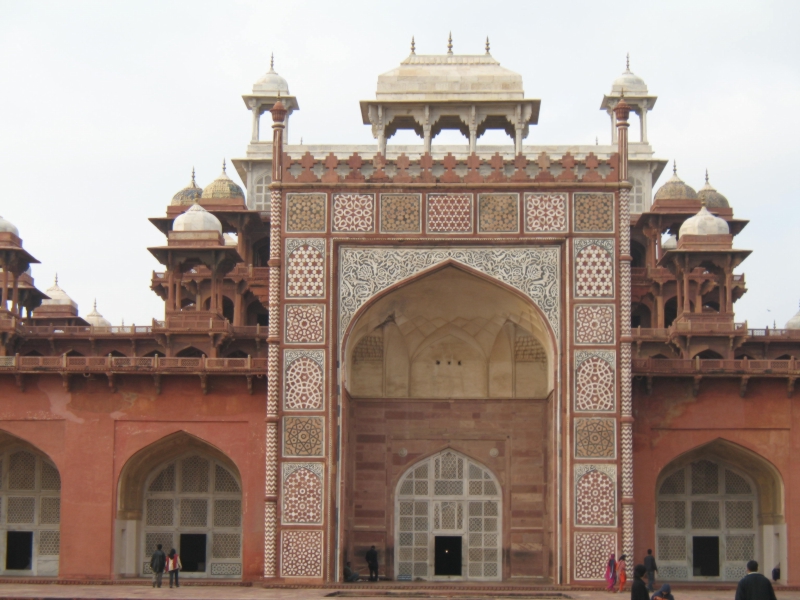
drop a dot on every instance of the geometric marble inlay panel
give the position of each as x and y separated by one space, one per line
595 438
305 323
545 213
594 213
594 268
303 379
303 436
594 324
302 493
595 495
449 213
595 380
301 553
591 554
498 213
305 213
401 213
354 213
305 273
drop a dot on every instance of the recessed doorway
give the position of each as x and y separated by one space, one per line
448 555
193 552
705 556
19 550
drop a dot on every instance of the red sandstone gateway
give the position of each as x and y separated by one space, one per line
489 362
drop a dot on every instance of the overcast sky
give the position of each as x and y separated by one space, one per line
106 106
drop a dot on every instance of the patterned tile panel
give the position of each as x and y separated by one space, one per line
545 213
594 268
301 553
305 213
449 213
595 438
305 273
594 324
354 213
270 539
401 213
596 495
591 554
305 324
303 379
303 436
302 493
595 381
498 213
594 212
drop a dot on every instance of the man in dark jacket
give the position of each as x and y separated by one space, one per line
754 586
157 563
639 589
652 568
372 563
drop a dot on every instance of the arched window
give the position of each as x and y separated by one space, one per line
261 199
448 504
194 504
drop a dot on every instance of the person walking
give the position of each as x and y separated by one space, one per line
754 586
638 588
665 593
652 569
372 563
350 576
173 567
622 576
157 563
611 573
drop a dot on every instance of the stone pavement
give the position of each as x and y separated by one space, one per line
363 591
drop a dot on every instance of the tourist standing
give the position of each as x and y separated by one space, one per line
638 588
157 563
652 568
372 563
611 573
754 586
622 577
173 567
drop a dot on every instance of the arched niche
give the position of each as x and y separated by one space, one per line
449 334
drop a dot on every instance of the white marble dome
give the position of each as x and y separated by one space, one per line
7 226
197 218
704 223
671 243
58 296
629 84
794 322
95 319
271 84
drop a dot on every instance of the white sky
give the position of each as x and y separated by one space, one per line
106 106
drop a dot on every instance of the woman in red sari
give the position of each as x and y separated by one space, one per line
611 573
622 577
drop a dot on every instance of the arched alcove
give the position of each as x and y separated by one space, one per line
718 506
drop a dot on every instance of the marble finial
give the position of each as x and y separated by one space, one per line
674 167
95 304
272 61
450 43
56 279
487 44
413 46
596 141
628 61
223 165
194 183
706 176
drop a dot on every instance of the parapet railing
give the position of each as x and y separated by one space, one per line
697 366
158 327
147 364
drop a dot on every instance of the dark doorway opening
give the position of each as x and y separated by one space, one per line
705 559
193 552
19 550
448 555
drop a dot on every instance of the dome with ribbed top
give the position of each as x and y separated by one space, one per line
95 319
704 223
188 195
222 187
710 197
197 218
675 188
57 296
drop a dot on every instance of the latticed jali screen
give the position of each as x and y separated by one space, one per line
195 494
705 499
449 495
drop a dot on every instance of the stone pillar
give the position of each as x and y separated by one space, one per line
426 129
256 134
643 117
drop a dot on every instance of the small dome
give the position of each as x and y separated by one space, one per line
188 195
197 218
675 188
711 197
794 322
670 244
95 319
704 223
222 187
57 295
8 227
628 83
271 84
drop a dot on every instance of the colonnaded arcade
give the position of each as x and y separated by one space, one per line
494 363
